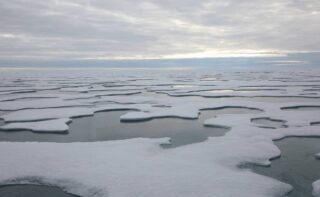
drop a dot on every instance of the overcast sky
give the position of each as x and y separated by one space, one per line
133 29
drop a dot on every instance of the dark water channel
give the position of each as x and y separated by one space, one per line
26 190
297 165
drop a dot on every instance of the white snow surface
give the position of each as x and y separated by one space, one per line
37 103
140 167
316 188
54 126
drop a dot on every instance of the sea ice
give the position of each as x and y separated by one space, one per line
52 126
316 188
140 167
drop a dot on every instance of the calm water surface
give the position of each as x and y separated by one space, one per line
296 166
105 126
32 191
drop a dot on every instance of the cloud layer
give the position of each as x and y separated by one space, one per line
97 29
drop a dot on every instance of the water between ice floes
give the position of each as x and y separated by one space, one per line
107 126
32 191
297 165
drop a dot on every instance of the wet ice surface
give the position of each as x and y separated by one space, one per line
237 110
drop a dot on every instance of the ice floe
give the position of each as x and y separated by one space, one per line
316 188
140 167
45 126
38 104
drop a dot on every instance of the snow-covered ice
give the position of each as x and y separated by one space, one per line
316 188
55 125
140 167
47 102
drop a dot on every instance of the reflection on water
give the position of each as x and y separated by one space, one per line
107 126
32 191
296 166
181 131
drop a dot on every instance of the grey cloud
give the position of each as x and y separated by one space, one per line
78 29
